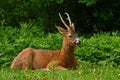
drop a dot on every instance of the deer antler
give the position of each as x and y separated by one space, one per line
64 22
68 18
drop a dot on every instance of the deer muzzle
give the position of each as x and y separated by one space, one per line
77 41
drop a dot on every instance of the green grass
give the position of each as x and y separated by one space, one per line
84 72
98 56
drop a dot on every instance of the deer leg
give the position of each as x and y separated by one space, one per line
27 60
55 66
23 60
60 68
27 63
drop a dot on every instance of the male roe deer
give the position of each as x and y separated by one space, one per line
62 59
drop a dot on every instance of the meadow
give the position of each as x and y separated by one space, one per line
98 55
84 72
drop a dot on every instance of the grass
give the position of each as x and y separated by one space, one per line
102 49
84 72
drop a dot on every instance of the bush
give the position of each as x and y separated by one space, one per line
103 48
13 40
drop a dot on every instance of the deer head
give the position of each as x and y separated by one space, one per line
70 36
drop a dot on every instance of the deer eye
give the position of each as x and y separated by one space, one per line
70 36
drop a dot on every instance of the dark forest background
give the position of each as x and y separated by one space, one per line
88 15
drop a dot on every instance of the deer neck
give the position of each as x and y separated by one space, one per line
67 50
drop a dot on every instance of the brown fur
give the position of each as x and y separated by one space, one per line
30 58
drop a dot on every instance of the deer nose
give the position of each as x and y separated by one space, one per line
77 41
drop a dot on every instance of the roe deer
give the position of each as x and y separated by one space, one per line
62 59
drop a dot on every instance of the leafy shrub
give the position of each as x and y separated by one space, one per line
13 40
103 48
100 47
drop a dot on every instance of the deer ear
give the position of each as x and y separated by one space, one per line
60 29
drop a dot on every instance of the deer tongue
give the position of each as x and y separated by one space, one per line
77 42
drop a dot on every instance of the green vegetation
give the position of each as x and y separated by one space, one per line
101 48
88 15
97 48
98 55
84 72
30 23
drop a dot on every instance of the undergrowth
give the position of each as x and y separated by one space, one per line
85 71
101 49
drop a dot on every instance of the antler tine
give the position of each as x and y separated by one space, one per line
68 18
63 22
